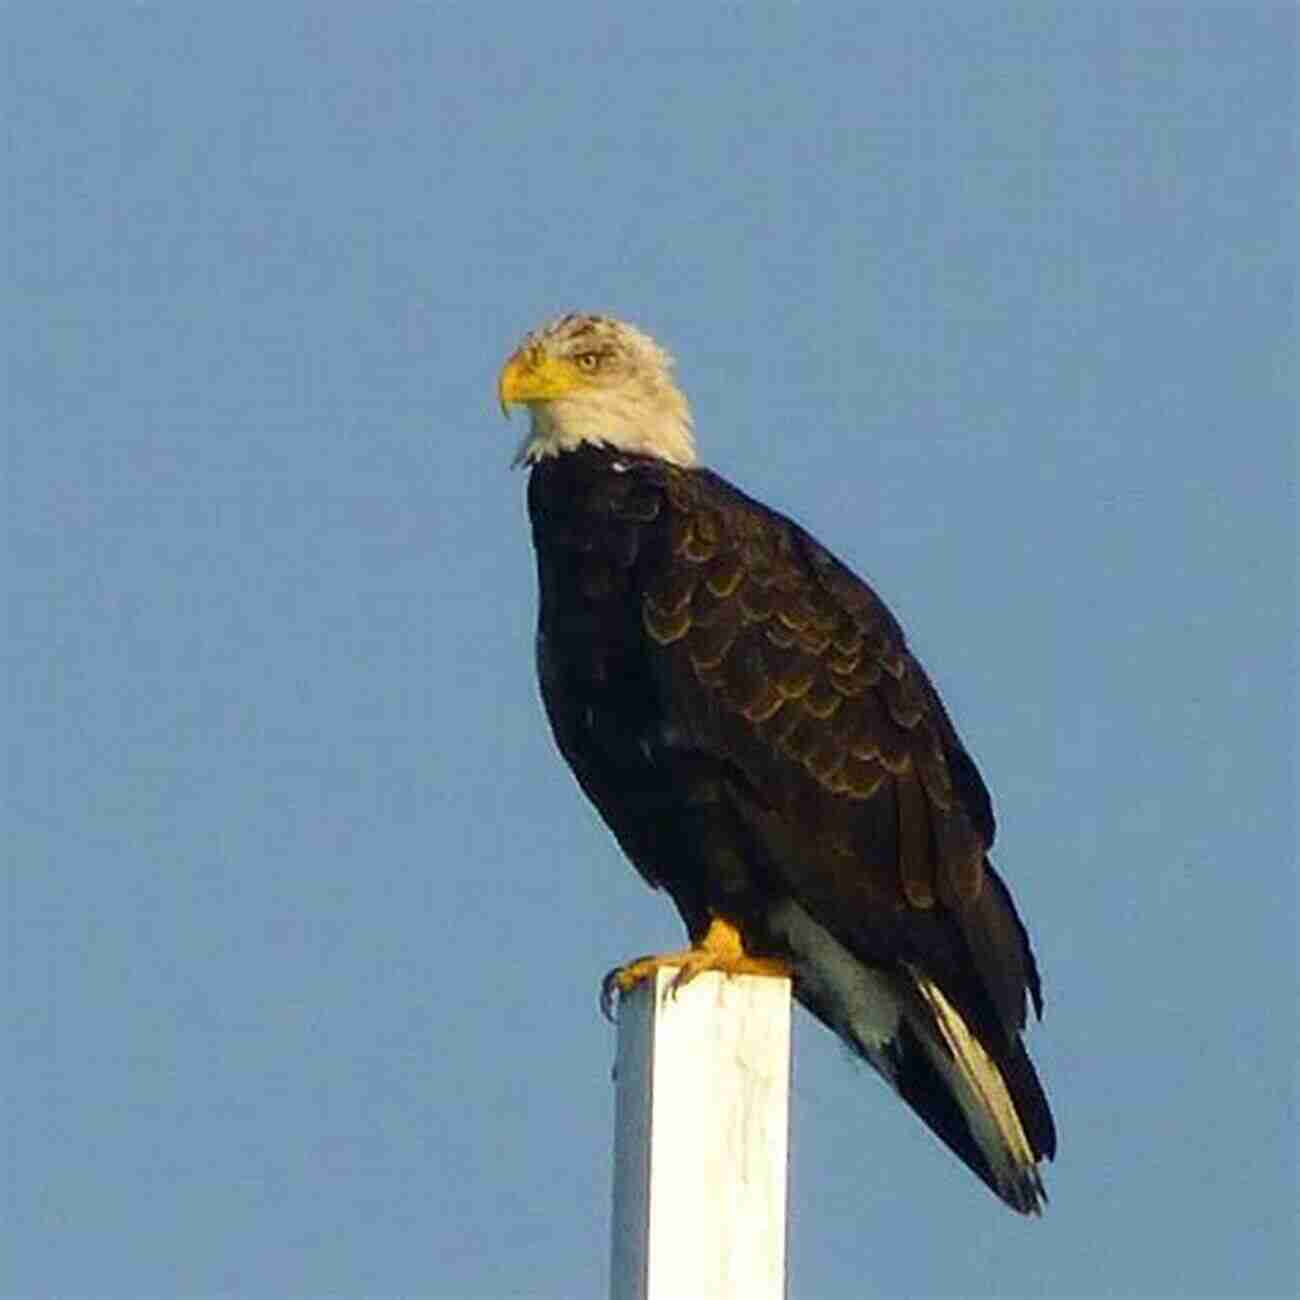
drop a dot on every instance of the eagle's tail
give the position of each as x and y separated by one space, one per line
992 1113
984 1101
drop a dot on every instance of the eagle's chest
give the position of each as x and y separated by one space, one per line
601 529
591 653
598 680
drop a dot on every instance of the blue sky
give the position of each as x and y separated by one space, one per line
305 916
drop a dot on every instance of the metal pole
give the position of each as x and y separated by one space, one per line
701 1139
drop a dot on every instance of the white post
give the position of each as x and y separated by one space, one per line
701 1137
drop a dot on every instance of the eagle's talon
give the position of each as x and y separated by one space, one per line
623 979
718 950
607 987
685 974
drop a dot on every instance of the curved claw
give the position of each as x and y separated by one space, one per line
622 978
607 987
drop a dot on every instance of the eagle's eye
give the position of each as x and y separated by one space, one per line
587 361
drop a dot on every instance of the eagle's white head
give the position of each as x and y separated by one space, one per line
595 379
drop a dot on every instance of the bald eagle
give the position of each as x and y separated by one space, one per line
745 714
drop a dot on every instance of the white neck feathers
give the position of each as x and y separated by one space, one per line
661 427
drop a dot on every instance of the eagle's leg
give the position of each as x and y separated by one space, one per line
720 949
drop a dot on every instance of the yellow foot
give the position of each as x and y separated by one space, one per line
719 950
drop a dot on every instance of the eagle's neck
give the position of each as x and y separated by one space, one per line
623 422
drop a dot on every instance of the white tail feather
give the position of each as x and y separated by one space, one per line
978 1083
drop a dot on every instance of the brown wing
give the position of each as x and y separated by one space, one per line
797 668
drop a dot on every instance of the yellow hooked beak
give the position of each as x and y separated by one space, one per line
531 376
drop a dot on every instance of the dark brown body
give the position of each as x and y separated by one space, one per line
746 716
